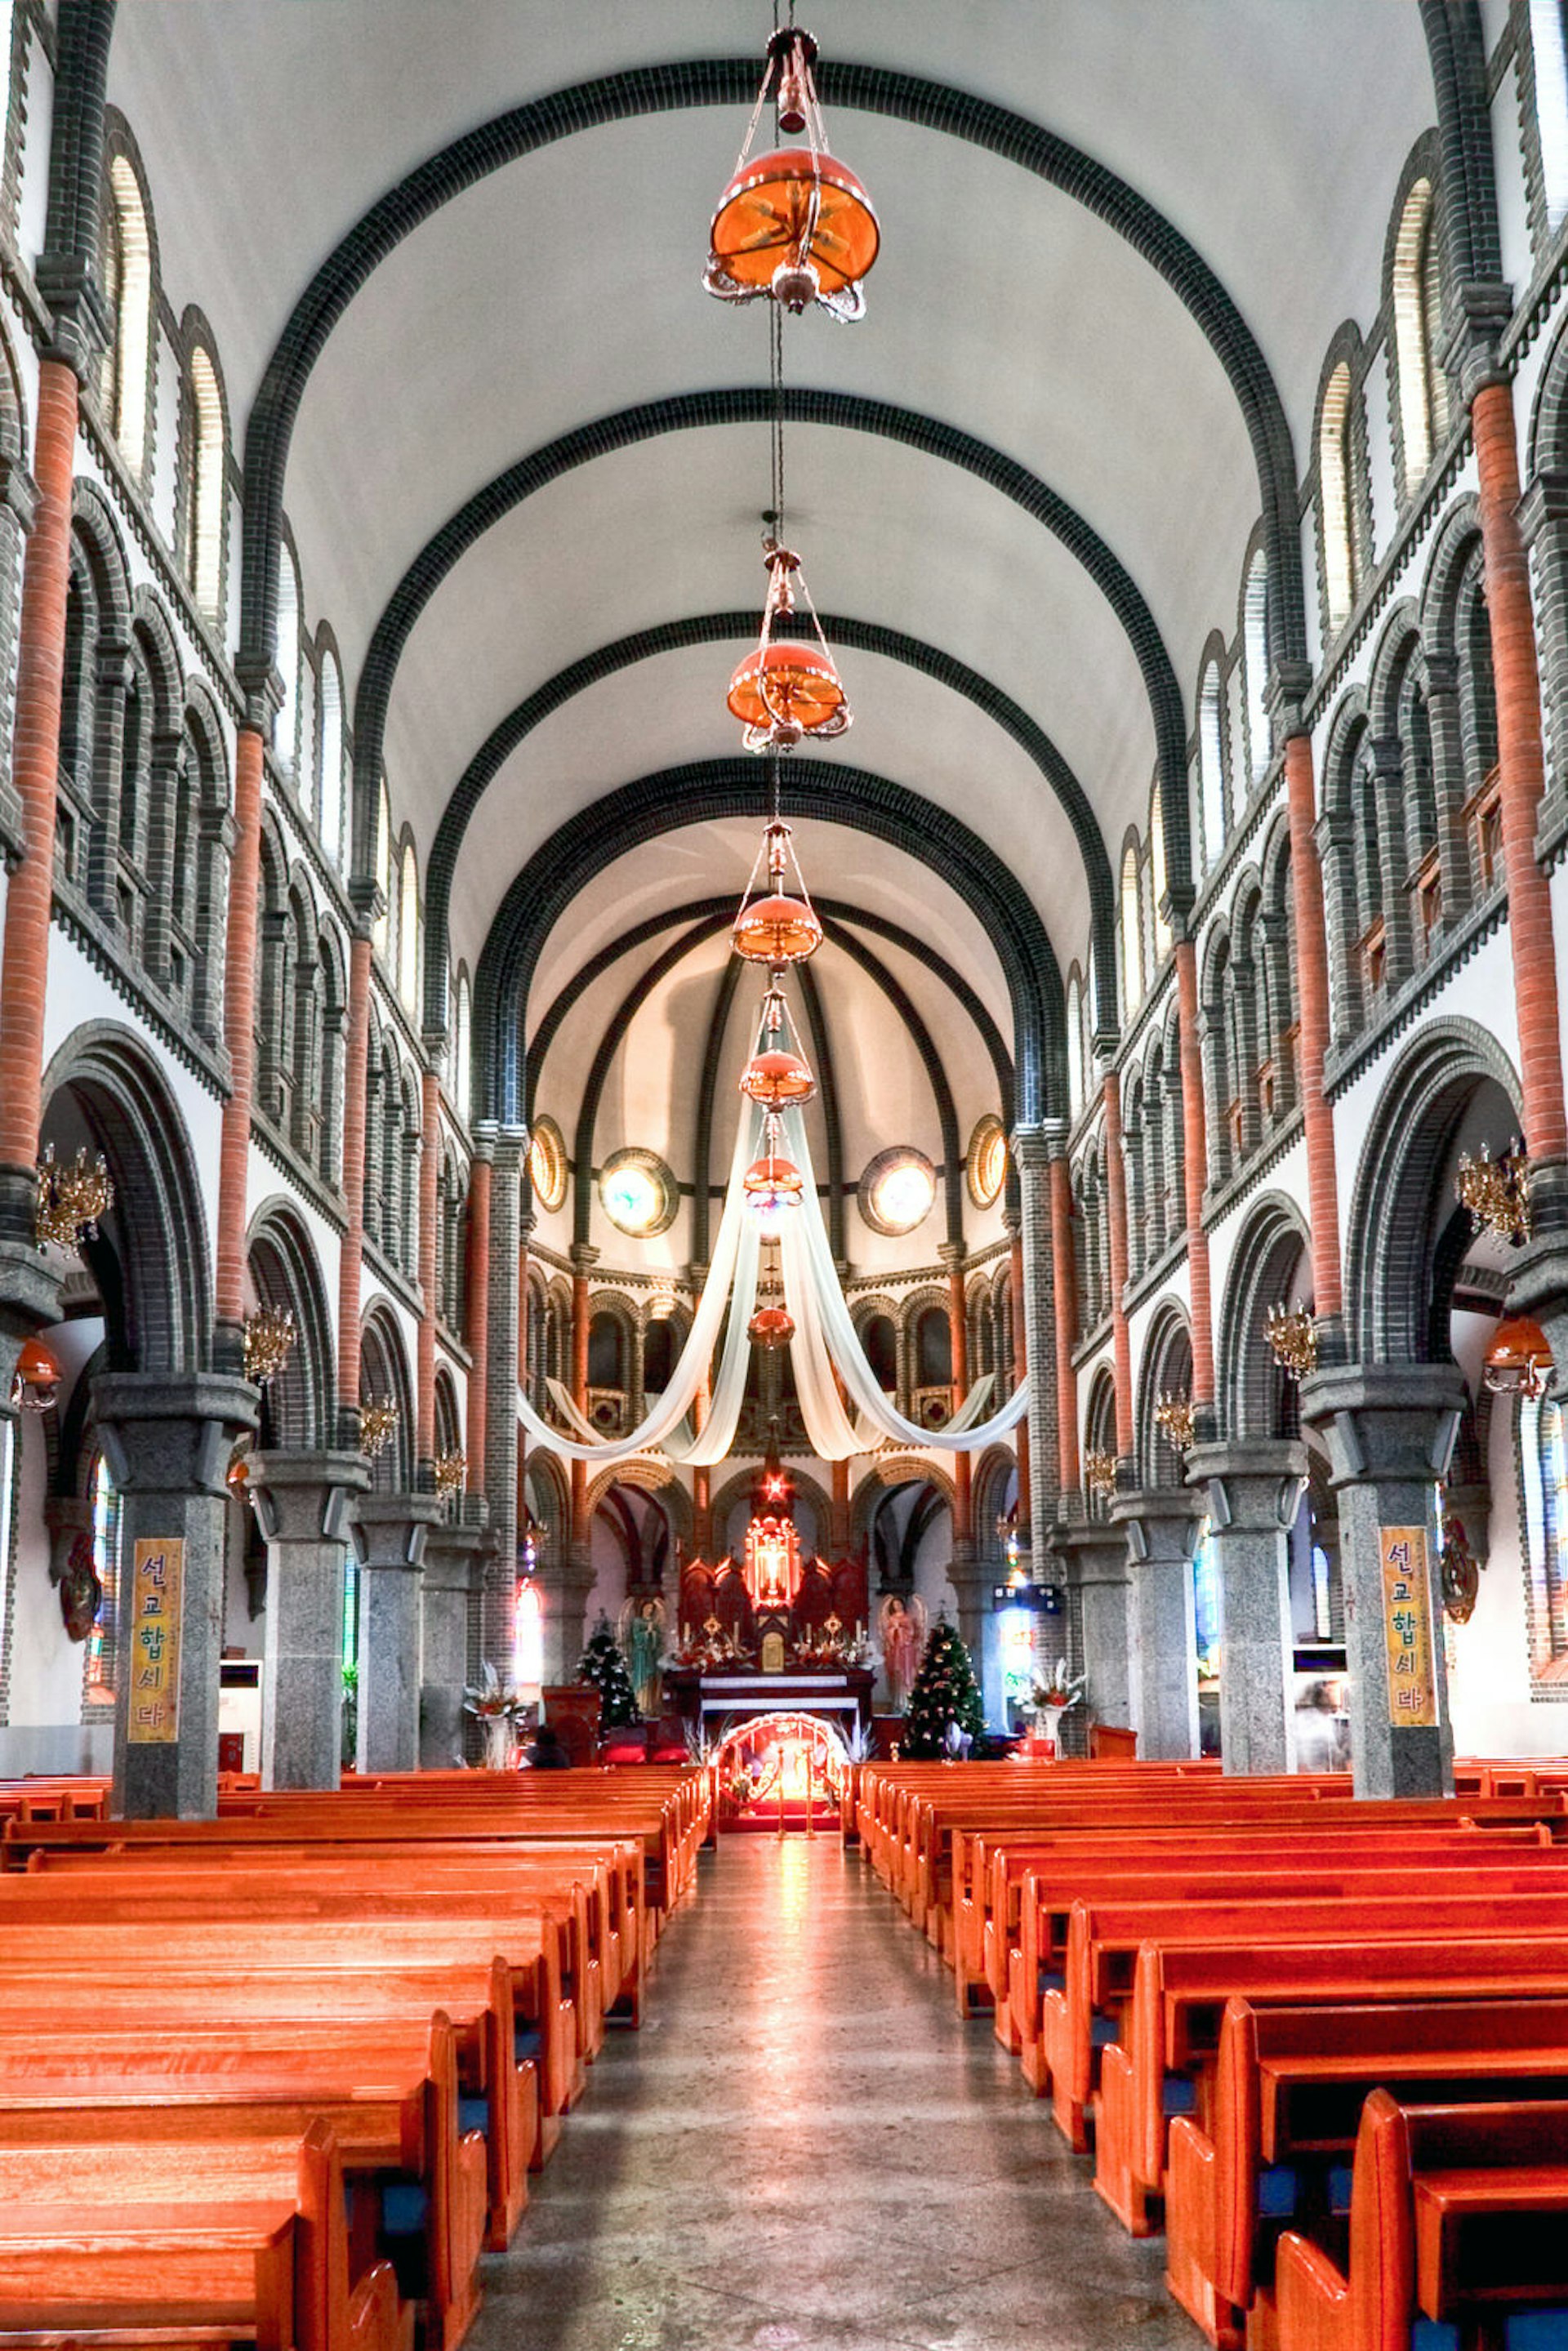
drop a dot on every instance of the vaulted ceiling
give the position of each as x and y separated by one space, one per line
1043 363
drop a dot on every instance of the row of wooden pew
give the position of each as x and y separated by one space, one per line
281 2077
1323 2043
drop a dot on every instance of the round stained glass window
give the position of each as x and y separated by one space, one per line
638 1194
546 1164
897 1191
988 1162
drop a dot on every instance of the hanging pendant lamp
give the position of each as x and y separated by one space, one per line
794 227
776 929
777 1077
788 690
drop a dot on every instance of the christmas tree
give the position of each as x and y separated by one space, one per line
945 1693
603 1664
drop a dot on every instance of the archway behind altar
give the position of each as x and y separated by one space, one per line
780 1770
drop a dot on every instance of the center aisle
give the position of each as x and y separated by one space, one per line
805 2146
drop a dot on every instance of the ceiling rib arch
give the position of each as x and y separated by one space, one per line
751 404
713 81
716 914
699 790
862 636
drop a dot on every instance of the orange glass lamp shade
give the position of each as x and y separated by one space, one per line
796 227
783 693
777 930
1519 1358
770 1328
771 1184
778 1081
37 1378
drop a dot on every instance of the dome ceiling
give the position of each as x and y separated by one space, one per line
563 287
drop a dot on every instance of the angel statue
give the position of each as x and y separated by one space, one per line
903 1631
642 1632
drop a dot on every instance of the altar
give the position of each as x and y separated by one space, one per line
718 1698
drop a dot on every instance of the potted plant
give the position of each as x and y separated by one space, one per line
1051 1699
498 1708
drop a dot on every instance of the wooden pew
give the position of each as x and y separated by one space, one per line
1171 2025
1456 2214
1281 2113
215 2240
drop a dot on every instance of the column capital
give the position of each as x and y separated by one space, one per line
1544 502
1255 1485
1093 1553
1394 1421
1160 1523
305 1496
395 1528
584 1258
1478 314
483 1133
955 1255
1285 694
185 1424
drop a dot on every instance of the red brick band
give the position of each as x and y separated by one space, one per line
352 1255
1523 771
34 762
1116 1217
1312 997
478 1333
1020 1371
239 1025
1066 1320
958 1345
429 1163
1195 1149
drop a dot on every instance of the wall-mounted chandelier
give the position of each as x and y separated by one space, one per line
378 1422
1174 1416
787 691
1292 1336
1100 1472
72 1199
269 1337
1497 1193
450 1470
794 227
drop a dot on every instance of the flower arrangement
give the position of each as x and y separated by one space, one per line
1060 1689
495 1699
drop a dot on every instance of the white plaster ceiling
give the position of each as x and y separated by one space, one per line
565 287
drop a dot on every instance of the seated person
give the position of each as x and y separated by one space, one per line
547 1753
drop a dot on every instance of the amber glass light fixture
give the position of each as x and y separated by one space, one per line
787 689
775 928
772 1326
35 1382
1519 1358
793 226
777 1078
773 1183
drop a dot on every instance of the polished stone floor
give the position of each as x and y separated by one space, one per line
805 2149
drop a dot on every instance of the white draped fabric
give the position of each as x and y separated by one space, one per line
734 1267
818 1276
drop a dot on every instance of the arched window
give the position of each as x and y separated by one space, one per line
100 1668
661 1345
528 1637
1211 765
1418 331
286 733
880 1343
1551 60
1158 876
1337 495
330 791
934 1349
126 266
1255 663
1131 933
206 493
460 1076
1074 1045
1545 1462
382 932
607 1353
408 930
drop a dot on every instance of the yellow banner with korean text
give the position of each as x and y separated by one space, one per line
158 1573
1407 1628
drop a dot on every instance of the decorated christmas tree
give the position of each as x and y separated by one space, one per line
603 1664
945 1693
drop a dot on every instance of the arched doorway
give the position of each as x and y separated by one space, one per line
781 1772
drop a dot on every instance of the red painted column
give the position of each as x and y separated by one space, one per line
1312 993
958 1348
1195 1153
478 1333
1116 1214
1066 1329
1020 1371
239 1027
579 1528
351 1259
424 1365
1522 773
35 762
